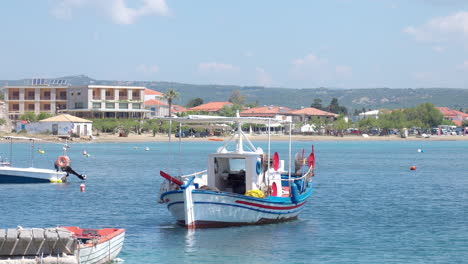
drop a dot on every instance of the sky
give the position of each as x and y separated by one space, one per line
273 43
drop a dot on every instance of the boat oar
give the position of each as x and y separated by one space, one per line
170 178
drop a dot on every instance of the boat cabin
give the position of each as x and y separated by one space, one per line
234 172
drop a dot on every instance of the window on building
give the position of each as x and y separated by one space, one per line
136 94
63 95
15 107
108 93
31 107
110 105
136 106
123 105
96 105
47 107
61 106
47 94
78 105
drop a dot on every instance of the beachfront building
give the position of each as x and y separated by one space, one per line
156 108
104 101
307 113
36 95
211 107
60 125
275 112
152 94
455 116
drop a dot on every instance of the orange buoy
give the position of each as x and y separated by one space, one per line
82 187
413 168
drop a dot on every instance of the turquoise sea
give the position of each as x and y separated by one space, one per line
367 206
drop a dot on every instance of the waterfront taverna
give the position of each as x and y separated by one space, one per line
60 125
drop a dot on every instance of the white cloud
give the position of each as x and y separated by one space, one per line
117 10
263 78
216 67
310 59
342 70
438 49
441 28
464 66
147 69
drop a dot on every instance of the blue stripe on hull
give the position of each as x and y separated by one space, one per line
278 212
9 179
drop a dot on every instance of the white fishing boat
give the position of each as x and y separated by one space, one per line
243 185
64 245
11 174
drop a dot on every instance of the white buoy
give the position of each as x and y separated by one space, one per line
147 149
419 150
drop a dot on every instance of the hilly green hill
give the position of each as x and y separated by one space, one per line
390 98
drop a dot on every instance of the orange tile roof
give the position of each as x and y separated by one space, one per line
178 108
210 107
310 111
449 113
154 102
152 92
265 111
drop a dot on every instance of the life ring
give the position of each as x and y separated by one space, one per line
63 161
258 167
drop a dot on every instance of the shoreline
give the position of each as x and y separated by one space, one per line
134 138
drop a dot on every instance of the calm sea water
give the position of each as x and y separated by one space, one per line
367 206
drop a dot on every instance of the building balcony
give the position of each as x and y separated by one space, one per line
110 97
123 97
63 98
13 97
96 97
29 98
45 97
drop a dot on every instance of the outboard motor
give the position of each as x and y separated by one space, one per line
63 164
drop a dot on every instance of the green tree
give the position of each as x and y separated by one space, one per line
29 116
366 124
341 125
170 95
465 123
230 110
237 98
194 102
335 107
317 104
2 121
43 115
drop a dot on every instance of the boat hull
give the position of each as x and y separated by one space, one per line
12 175
103 252
214 209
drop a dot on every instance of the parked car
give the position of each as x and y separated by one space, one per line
355 132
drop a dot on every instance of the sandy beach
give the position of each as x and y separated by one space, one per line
163 138
104 138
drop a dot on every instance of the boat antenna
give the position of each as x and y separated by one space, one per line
290 140
180 149
269 142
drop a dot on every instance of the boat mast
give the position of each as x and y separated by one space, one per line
11 149
32 153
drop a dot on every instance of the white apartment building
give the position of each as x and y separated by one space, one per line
88 101
104 101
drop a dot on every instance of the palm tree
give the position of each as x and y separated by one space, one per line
169 96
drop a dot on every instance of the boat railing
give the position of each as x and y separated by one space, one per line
193 174
308 174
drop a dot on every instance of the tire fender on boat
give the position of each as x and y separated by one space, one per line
258 167
63 161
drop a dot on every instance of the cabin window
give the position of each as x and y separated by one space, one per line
236 164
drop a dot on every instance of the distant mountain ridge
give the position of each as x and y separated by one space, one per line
369 98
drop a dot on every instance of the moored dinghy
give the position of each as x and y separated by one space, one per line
64 245
242 186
